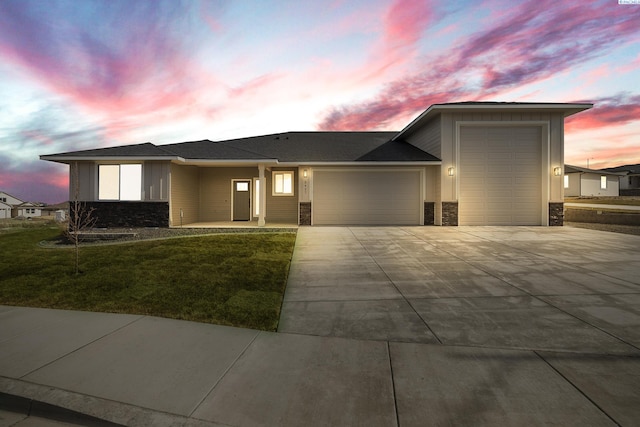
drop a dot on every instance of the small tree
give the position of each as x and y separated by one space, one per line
81 217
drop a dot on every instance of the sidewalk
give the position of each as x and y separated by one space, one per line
139 371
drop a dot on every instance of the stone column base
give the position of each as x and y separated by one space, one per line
556 214
450 213
305 213
429 213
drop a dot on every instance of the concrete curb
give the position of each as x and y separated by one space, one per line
74 408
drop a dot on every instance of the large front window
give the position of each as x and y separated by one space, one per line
282 183
120 182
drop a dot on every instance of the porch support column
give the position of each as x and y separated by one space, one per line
263 195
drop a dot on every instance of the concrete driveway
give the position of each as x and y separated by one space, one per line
538 288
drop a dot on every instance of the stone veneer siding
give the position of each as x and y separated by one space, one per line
449 213
429 213
129 214
556 214
305 213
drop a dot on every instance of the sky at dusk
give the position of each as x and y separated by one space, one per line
81 74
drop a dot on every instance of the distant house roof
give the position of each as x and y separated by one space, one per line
625 170
578 169
289 147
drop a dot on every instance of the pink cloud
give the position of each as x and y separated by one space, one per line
617 110
143 70
532 42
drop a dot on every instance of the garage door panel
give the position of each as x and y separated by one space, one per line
366 197
503 185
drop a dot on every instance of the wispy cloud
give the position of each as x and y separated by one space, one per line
619 109
532 42
143 68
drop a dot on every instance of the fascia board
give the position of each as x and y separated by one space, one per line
382 163
66 159
568 109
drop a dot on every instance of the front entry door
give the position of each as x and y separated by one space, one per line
241 200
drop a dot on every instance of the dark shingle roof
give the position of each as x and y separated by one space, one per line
295 147
146 149
632 169
331 147
206 149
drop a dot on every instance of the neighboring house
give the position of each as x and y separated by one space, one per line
470 163
50 210
629 179
590 182
9 199
27 210
5 210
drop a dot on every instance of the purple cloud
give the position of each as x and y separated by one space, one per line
533 41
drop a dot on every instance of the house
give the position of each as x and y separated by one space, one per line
27 210
590 182
469 163
630 179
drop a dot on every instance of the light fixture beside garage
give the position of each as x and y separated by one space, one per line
304 173
451 171
557 171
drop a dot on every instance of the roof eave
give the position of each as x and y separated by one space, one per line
567 108
365 163
71 159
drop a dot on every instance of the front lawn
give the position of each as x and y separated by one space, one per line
228 279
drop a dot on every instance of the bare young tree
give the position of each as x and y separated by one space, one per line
81 216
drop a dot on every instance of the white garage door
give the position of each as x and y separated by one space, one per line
366 197
500 175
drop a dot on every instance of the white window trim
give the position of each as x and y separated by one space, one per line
273 183
120 182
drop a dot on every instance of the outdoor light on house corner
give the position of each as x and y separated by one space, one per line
451 171
557 171
304 173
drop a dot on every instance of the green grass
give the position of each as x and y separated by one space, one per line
233 279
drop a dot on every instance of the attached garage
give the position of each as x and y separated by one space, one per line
501 172
367 196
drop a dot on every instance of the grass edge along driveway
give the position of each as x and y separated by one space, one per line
227 279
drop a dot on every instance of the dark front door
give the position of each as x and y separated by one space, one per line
241 200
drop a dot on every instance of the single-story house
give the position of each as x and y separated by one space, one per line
629 179
51 210
590 182
27 210
468 163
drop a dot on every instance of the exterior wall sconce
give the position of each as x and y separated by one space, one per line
557 171
451 171
305 173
